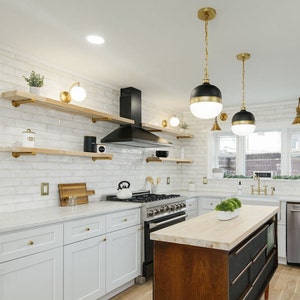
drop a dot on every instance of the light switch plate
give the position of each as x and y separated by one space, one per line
44 188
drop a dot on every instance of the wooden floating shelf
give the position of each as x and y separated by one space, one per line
162 159
19 98
18 151
178 134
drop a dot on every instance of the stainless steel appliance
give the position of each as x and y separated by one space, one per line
292 233
158 211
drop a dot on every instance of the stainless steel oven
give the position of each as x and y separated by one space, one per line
151 226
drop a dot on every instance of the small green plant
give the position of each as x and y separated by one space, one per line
35 79
184 125
229 205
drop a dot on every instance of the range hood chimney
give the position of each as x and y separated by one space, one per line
133 135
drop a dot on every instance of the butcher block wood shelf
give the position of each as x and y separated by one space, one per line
162 159
155 128
19 98
18 151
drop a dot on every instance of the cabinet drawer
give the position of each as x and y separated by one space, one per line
81 229
123 219
210 203
245 252
25 242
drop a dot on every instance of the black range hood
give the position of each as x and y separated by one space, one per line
133 135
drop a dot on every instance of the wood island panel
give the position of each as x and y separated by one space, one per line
204 276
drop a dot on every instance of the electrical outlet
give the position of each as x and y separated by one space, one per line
168 180
44 188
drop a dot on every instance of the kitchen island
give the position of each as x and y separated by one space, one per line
204 258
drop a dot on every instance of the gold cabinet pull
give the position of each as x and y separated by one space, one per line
87 229
104 240
125 220
30 243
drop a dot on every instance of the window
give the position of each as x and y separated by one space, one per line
263 152
227 154
295 153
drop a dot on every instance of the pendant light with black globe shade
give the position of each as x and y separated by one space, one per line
243 122
206 99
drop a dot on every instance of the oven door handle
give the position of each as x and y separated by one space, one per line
153 225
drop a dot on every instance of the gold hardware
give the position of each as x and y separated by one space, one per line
272 190
164 123
17 103
216 126
87 229
104 239
94 120
30 243
103 158
223 116
125 220
258 190
17 154
65 96
297 118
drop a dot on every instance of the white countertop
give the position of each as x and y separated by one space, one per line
41 216
209 232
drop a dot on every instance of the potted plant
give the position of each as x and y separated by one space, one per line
35 81
228 209
183 126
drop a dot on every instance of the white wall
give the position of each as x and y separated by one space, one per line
20 178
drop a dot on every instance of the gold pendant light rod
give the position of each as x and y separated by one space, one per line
206 14
243 57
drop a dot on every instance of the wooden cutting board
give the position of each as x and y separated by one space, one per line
74 189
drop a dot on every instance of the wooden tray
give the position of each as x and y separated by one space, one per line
74 189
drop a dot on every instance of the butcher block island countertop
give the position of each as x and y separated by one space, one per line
205 258
209 232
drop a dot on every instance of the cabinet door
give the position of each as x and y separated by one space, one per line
84 269
123 256
35 277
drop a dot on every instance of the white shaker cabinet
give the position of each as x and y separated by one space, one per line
84 269
123 252
101 254
32 266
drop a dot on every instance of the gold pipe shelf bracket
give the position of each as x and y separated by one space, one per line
18 154
94 120
17 103
102 158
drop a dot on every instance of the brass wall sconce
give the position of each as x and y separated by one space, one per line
216 127
297 118
76 93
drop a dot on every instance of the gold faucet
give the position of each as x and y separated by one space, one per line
258 186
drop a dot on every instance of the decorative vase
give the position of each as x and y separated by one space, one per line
228 215
34 90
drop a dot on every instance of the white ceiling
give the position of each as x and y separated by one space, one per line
157 46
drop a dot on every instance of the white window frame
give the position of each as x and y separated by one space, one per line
213 146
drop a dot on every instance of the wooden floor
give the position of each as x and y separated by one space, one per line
285 285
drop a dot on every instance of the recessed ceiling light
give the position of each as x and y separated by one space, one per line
95 39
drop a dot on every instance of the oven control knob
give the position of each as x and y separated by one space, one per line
150 213
172 207
183 205
167 207
162 208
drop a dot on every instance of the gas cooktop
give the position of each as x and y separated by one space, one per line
143 197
